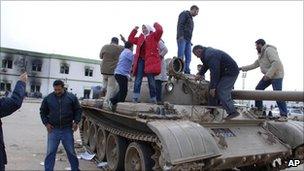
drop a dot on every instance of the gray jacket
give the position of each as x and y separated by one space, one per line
269 63
162 52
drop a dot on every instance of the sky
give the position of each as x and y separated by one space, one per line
81 28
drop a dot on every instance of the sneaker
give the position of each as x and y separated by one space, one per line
111 106
135 100
233 115
282 119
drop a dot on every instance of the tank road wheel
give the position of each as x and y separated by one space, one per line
115 152
92 137
101 144
86 131
138 157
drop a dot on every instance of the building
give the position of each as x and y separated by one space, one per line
79 74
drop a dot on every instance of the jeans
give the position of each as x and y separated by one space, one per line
224 89
276 85
138 81
65 135
123 89
158 84
110 84
184 50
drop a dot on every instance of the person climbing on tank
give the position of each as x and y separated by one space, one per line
146 59
122 74
159 79
272 68
223 71
109 55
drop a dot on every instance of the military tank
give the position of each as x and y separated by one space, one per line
185 134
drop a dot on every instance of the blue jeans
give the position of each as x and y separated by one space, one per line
223 91
158 84
138 81
65 135
184 50
276 85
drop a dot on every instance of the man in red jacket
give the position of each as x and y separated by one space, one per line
146 60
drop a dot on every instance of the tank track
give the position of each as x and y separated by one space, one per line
128 134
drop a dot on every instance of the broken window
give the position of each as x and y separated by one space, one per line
35 88
7 63
5 86
36 67
64 69
88 72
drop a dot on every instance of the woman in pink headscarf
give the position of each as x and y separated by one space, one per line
146 60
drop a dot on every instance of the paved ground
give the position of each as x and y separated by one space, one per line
25 140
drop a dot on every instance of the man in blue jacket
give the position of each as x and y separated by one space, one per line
9 105
185 27
60 113
223 71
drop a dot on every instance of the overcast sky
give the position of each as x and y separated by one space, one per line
80 28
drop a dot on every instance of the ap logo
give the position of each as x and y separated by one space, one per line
294 163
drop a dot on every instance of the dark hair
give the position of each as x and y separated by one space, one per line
128 45
260 42
194 7
114 40
196 47
58 82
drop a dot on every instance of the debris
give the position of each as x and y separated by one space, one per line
60 151
42 163
102 164
34 155
67 168
87 156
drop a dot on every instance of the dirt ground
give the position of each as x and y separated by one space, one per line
25 140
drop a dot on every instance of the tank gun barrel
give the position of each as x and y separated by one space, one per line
268 95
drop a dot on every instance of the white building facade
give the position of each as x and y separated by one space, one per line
79 74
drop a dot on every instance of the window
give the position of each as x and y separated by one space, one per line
88 72
36 67
5 86
7 63
35 88
64 69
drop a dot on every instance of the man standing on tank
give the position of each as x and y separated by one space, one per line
110 55
60 113
185 27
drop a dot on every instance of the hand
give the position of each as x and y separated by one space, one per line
212 92
23 77
240 69
75 126
266 78
155 24
122 38
136 28
198 77
49 128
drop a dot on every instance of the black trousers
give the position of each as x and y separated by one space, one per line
123 89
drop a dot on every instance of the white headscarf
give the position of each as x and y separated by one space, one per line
149 28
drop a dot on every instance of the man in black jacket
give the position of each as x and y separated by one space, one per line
185 27
9 105
60 113
223 71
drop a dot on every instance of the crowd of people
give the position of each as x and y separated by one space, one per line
60 110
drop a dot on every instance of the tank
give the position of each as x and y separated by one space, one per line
184 133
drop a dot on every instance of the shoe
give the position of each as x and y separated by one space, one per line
282 119
233 115
111 106
135 100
